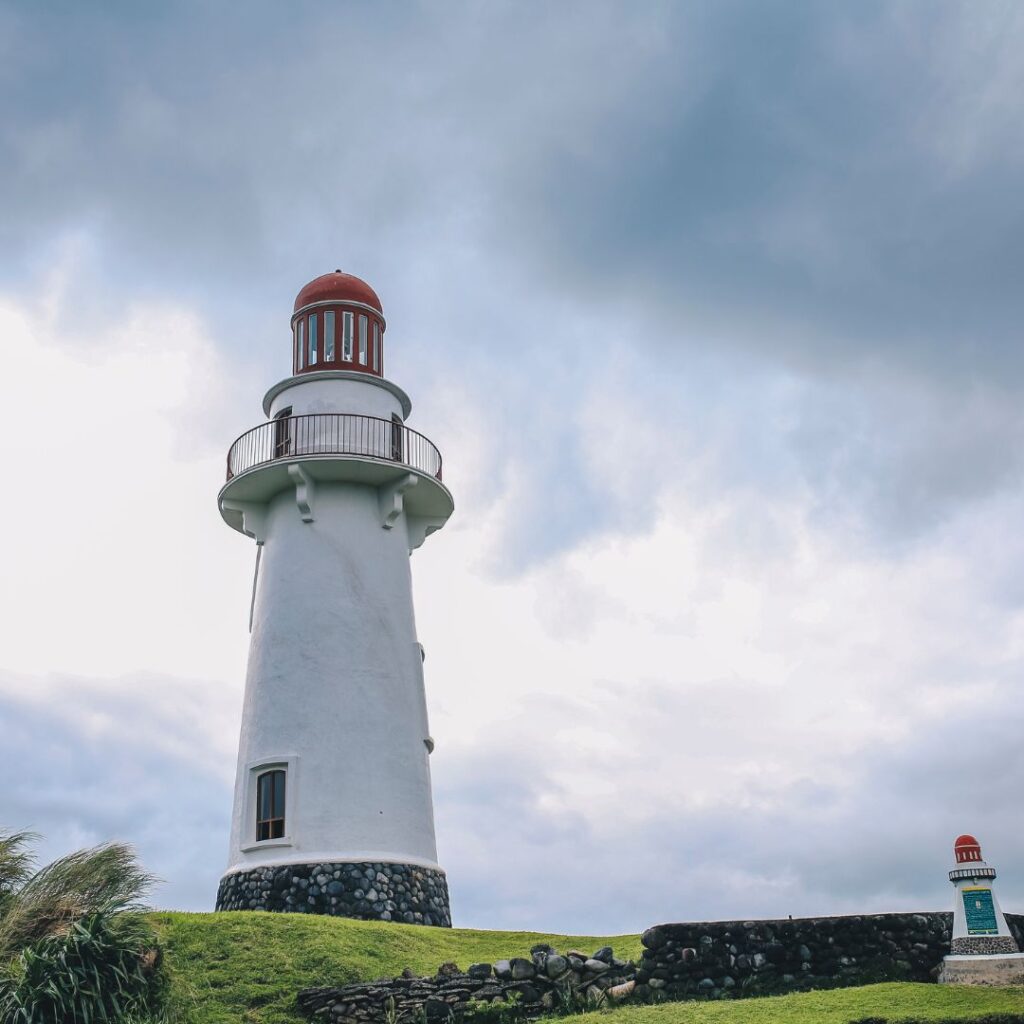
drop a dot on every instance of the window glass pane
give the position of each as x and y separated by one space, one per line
329 336
302 342
278 794
362 338
346 337
312 339
263 797
295 346
376 345
396 438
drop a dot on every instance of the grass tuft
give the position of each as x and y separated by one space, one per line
103 880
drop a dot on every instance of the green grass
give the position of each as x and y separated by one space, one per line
892 1001
246 968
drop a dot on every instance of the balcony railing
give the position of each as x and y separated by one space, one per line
333 434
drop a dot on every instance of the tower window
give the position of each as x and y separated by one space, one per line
312 339
301 325
376 346
362 338
329 336
270 805
283 432
346 337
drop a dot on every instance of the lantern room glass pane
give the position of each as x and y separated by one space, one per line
346 337
312 339
363 325
329 336
376 346
301 326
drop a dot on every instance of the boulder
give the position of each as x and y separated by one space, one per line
522 969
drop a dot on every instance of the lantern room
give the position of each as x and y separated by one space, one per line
338 324
967 849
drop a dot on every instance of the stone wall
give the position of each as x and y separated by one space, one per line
543 982
370 891
738 958
711 960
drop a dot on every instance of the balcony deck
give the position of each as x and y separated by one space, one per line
333 447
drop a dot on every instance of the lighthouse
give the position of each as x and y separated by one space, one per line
978 922
983 950
332 807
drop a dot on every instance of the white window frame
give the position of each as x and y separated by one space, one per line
253 770
302 342
376 347
364 330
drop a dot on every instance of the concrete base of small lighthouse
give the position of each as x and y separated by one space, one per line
995 970
375 891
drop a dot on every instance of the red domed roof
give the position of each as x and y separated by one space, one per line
966 848
337 287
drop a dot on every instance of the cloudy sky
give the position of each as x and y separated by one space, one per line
714 310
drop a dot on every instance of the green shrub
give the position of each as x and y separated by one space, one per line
499 1011
104 880
100 970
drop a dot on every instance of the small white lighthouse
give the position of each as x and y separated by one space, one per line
983 950
333 811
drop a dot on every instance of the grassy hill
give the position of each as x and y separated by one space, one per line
248 967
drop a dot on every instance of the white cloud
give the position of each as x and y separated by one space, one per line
116 559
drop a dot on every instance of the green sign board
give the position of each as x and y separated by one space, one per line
980 911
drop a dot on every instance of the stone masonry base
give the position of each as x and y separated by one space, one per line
370 891
983 945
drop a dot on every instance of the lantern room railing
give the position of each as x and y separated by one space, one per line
333 434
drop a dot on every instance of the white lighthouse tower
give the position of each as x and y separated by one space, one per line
332 811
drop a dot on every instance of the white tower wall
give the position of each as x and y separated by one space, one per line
335 687
980 893
313 393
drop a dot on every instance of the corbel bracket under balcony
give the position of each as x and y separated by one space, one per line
392 499
420 528
254 518
305 491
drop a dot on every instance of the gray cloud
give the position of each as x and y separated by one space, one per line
878 840
91 762
792 176
827 194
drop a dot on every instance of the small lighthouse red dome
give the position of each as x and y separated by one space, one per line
337 287
967 848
